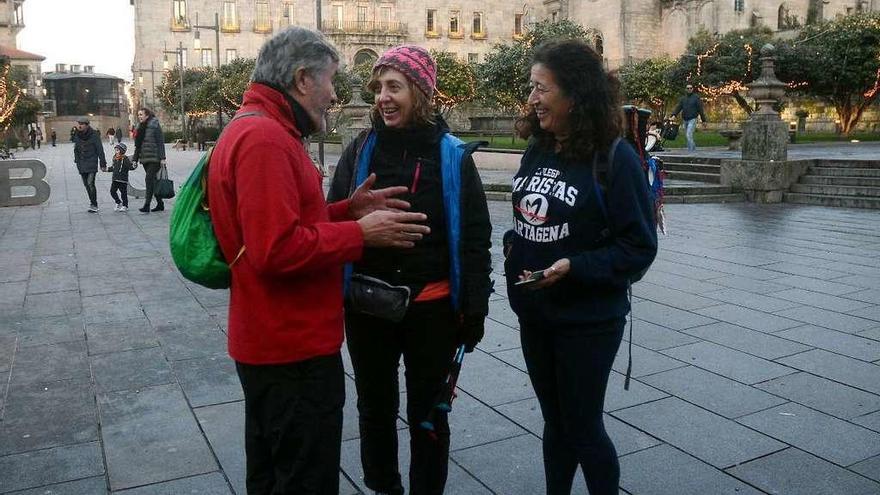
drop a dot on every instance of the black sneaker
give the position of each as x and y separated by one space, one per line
159 208
145 209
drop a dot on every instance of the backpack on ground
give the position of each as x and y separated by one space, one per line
194 247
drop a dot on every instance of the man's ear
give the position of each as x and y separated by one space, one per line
301 81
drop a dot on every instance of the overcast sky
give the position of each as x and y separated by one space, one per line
85 32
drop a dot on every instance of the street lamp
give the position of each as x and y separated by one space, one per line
179 53
197 44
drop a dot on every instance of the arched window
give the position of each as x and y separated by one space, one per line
739 5
782 20
365 56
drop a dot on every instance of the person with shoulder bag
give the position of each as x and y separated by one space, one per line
149 150
432 298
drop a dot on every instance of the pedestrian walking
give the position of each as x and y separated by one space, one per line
446 275
39 137
111 136
119 135
32 135
88 153
288 248
690 106
120 167
149 150
576 242
54 137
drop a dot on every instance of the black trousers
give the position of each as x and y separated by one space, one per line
151 170
122 188
293 426
426 338
569 368
89 182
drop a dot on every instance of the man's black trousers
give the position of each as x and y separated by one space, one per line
293 426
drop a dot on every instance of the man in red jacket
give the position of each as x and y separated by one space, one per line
285 311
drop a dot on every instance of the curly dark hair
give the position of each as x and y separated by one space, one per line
596 119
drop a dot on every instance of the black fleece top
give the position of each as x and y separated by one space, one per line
411 157
557 214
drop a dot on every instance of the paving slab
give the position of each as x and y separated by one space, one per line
116 336
748 318
828 319
871 421
655 337
871 296
499 337
51 330
748 284
209 380
671 297
749 341
508 466
96 485
713 392
795 471
731 363
616 397
664 470
838 342
819 300
858 374
55 304
751 300
645 361
869 468
55 465
493 380
830 438
51 362
823 395
513 357
684 284
150 436
48 414
131 370
871 313
191 339
223 425
708 436
816 285
667 316
212 483
473 423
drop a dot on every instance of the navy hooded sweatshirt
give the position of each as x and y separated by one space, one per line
557 214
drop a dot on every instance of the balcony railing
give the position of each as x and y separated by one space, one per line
179 24
377 27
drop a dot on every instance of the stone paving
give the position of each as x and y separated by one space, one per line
756 360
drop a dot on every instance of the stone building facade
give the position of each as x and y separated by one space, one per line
623 30
11 21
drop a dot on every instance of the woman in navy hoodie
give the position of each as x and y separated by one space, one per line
590 237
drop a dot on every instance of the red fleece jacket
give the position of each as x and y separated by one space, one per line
265 193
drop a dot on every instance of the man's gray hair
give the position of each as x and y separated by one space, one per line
288 51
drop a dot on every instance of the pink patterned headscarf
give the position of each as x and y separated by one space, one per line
415 63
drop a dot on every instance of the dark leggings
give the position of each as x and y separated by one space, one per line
569 368
151 170
122 188
427 339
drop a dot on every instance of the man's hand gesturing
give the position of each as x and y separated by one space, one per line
398 229
365 201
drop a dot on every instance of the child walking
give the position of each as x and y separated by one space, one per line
121 165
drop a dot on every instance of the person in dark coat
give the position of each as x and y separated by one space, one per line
54 137
690 106
447 272
118 134
32 134
581 233
120 167
88 153
149 150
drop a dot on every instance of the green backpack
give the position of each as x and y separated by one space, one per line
194 247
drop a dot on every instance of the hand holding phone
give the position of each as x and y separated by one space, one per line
534 277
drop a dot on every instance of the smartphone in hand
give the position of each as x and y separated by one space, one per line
534 277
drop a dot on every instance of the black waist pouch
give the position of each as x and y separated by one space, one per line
374 297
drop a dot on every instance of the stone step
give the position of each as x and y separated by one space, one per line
702 160
828 200
840 181
705 198
832 163
692 167
860 191
844 172
697 190
694 176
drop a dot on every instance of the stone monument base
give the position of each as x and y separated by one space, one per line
765 140
763 181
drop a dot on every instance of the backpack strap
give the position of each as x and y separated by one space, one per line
602 200
204 178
